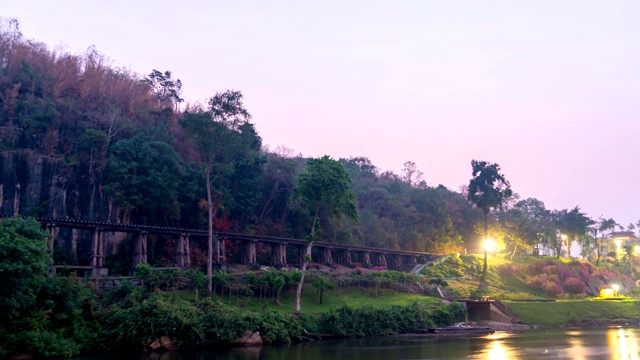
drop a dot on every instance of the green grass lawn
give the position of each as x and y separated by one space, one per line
571 311
334 299
355 297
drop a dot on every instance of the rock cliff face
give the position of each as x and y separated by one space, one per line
39 185
33 184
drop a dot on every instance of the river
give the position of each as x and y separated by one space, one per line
602 343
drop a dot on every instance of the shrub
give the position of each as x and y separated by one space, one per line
548 283
448 314
575 286
506 269
224 324
581 270
128 328
351 322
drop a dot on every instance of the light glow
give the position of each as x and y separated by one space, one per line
608 292
489 244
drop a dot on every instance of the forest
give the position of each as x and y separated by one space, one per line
113 145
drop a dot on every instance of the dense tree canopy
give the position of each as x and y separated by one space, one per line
129 153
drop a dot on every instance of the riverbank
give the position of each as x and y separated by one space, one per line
133 319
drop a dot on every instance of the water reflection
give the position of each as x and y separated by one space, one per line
626 343
497 347
605 344
576 349
582 344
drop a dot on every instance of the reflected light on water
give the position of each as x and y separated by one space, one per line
496 348
577 349
497 351
626 342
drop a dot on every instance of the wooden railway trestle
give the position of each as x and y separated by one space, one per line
325 252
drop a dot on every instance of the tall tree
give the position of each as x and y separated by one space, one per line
165 88
323 187
519 228
573 225
218 136
488 189
600 227
412 175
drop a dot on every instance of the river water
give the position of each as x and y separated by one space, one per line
603 343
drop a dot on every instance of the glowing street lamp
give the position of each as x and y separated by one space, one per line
615 287
488 245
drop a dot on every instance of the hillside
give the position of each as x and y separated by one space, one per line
526 277
82 139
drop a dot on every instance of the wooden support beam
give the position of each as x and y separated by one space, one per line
94 247
344 257
181 256
300 252
178 259
278 255
397 262
53 232
223 251
381 260
248 252
140 250
102 247
187 250
324 256
365 259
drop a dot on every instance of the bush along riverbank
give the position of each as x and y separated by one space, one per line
136 318
208 322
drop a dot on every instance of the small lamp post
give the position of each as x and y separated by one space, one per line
488 245
615 287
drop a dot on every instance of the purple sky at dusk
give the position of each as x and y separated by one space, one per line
549 89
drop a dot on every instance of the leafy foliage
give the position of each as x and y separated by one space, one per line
488 188
51 316
144 175
367 321
24 267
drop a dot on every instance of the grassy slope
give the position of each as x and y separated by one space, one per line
332 299
497 285
572 311
506 287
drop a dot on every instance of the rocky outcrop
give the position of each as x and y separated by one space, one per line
34 184
163 343
249 338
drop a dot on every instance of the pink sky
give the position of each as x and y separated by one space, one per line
549 89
